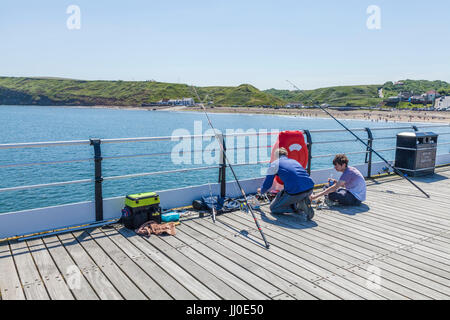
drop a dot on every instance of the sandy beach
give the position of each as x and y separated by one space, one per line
371 115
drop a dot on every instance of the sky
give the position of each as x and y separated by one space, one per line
313 44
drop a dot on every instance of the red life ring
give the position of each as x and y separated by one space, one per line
294 143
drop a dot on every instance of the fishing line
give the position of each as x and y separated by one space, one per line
222 148
368 147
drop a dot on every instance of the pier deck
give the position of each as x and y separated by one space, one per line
395 246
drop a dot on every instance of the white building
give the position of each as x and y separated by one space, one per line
443 103
177 102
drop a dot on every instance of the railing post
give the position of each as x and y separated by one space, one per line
309 144
369 154
223 167
98 179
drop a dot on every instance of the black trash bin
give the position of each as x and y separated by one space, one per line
416 153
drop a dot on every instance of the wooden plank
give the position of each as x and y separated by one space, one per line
401 218
327 257
434 268
417 270
10 286
352 226
138 276
28 273
217 270
217 278
295 237
392 282
75 280
176 271
374 224
338 241
236 268
265 258
399 195
418 211
51 276
173 288
320 266
87 267
390 234
396 279
109 267
378 245
404 278
265 275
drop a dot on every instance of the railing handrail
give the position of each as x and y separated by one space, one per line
98 156
171 138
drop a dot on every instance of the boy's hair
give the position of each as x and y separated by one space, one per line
281 152
340 159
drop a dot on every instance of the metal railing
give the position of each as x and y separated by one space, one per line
98 158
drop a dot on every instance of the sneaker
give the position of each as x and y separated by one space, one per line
305 206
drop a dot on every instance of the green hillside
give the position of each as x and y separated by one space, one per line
359 96
417 86
336 96
53 91
57 91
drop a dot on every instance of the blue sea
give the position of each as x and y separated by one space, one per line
42 124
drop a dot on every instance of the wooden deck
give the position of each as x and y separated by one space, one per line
396 246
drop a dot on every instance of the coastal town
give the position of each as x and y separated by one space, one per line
429 101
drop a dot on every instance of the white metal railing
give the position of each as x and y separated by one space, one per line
175 138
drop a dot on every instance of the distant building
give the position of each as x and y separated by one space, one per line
431 95
177 102
404 95
294 105
399 83
393 100
418 99
443 103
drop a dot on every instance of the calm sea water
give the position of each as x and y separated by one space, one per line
39 124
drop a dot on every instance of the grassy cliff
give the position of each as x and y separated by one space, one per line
359 96
51 91
55 91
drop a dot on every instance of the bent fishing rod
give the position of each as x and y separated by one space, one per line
368 147
222 148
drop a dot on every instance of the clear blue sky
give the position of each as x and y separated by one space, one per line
228 42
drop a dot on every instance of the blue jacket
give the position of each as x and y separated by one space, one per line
293 175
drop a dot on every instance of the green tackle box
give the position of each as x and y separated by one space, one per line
140 208
142 199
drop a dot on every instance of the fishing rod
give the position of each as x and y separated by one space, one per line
213 208
232 170
368 147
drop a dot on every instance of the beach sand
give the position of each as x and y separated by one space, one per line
370 115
